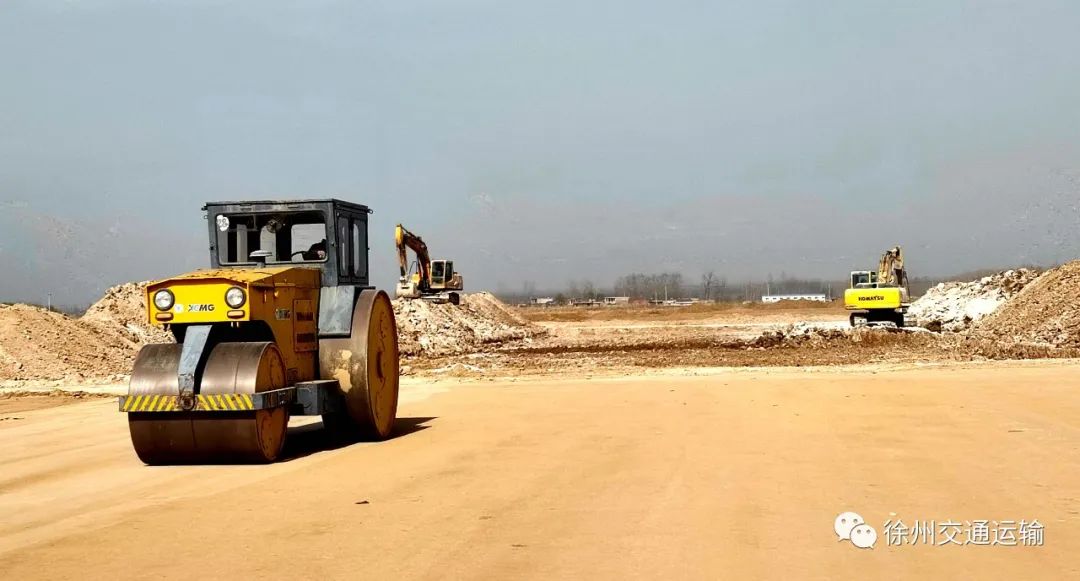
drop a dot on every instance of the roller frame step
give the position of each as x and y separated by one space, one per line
306 398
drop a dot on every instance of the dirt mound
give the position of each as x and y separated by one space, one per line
795 345
813 336
481 320
123 308
1046 312
36 344
955 306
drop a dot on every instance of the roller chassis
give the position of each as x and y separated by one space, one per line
205 402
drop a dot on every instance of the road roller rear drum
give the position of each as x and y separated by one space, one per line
365 366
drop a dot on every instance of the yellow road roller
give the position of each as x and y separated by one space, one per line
284 323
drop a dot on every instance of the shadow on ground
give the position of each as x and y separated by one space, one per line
311 438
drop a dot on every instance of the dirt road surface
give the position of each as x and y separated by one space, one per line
725 475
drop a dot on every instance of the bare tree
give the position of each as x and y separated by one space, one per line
708 280
588 290
573 289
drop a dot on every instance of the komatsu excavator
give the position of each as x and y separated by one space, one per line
434 280
881 296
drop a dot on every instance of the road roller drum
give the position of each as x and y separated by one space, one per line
228 435
365 366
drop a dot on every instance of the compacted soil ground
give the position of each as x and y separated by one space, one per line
730 474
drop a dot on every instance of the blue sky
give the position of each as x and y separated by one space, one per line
544 141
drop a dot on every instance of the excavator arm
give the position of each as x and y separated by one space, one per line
891 270
407 240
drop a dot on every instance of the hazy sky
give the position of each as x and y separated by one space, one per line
543 141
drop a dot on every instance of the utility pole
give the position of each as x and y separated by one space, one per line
50 302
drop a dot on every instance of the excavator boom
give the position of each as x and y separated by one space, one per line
891 270
407 240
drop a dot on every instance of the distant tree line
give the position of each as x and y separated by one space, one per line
710 286
650 286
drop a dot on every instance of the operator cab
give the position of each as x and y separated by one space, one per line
864 279
330 235
442 272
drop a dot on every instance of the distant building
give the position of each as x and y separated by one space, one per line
611 301
542 302
821 298
672 302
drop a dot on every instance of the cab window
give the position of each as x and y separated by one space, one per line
287 237
359 245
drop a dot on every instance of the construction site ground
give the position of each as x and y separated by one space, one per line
713 441
642 340
731 474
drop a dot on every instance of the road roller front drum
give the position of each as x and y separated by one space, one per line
228 434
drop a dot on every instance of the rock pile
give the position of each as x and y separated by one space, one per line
426 328
1046 312
956 306
817 336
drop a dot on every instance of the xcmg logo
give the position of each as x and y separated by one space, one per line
200 308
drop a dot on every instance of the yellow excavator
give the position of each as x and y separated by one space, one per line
882 296
284 323
433 280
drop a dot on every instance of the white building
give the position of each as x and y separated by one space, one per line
821 298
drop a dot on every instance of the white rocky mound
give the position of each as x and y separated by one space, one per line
955 306
430 329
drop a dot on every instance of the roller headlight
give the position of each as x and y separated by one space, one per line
164 300
235 297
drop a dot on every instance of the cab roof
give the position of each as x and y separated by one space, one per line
287 204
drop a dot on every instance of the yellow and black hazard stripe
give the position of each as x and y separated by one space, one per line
225 402
149 403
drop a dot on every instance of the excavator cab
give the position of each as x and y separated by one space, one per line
443 275
863 279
